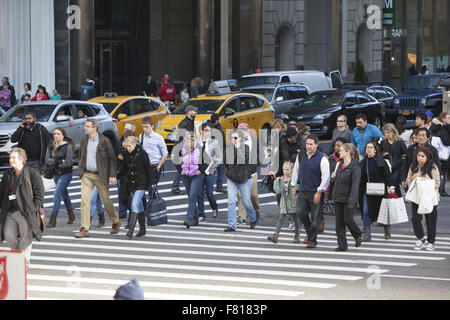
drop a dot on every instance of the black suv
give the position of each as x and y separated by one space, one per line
320 110
423 93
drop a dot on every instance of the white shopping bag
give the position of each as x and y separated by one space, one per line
412 195
383 214
49 184
397 210
427 195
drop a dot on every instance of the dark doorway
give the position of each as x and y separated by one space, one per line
122 53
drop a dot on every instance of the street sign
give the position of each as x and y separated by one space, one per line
388 12
13 276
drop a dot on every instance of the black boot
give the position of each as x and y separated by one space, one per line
133 220
141 219
387 232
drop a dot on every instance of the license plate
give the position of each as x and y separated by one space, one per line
406 112
172 136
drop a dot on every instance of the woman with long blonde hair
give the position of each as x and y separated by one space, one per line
395 148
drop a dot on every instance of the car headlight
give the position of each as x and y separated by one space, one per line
423 101
158 125
322 116
396 101
284 116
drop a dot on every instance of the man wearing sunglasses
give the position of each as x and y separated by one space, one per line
33 138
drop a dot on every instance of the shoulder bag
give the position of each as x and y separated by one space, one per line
374 188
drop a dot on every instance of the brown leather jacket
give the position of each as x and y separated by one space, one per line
106 159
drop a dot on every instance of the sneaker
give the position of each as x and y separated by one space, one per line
419 244
292 226
177 191
430 247
239 221
201 219
215 213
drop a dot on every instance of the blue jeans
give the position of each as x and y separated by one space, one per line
194 189
96 203
366 216
246 191
136 203
208 183
176 181
220 176
62 182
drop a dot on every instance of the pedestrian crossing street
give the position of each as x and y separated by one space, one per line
204 263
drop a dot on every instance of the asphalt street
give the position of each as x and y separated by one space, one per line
204 263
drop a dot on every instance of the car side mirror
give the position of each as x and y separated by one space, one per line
279 99
122 116
62 118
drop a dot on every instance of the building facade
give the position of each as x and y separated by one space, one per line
61 43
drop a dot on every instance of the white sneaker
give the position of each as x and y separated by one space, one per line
430 247
292 226
419 244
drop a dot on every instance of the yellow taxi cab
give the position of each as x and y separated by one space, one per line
225 99
126 109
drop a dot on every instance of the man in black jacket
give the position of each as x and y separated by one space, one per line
423 135
33 138
150 87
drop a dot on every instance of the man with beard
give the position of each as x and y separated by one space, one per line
33 138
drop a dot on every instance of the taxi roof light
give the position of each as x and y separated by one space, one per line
222 87
111 95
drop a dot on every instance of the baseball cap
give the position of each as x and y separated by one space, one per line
291 132
429 113
244 126
190 108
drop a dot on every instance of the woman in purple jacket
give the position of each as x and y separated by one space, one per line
192 173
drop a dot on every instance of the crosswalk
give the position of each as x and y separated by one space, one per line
204 263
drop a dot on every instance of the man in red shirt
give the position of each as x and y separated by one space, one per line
167 91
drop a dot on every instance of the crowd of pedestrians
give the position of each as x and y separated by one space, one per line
305 180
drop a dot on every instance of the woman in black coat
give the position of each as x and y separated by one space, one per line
374 169
440 127
136 175
347 178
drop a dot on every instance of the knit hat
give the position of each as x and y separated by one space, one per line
291 132
130 291
244 126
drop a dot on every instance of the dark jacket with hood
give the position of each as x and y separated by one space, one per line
43 133
346 184
30 197
55 158
135 172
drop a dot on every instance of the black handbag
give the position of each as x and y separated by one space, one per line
48 171
156 209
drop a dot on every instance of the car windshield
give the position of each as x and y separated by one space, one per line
323 100
203 106
256 81
109 107
424 83
267 93
17 114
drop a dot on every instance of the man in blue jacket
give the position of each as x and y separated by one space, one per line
364 133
